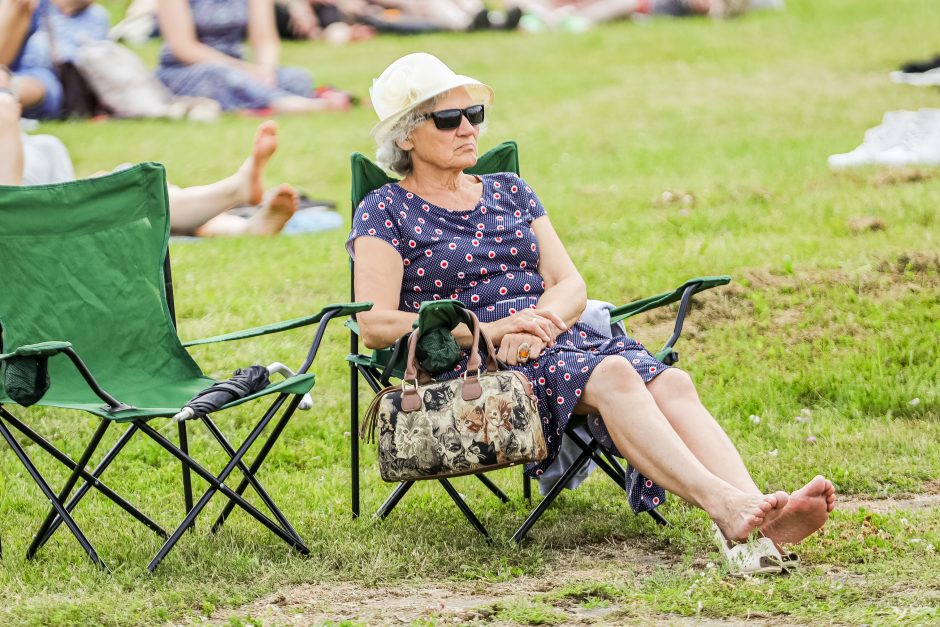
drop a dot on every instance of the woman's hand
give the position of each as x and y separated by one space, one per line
544 324
509 348
264 74
303 21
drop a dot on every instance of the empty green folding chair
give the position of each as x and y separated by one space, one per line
87 321
381 365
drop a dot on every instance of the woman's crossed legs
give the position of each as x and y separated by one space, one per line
665 431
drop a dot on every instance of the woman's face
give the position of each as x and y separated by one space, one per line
453 149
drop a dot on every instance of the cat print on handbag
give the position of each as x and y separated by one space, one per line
470 423
449 436
414 437
438 399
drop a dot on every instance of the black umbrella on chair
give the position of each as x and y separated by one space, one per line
244 382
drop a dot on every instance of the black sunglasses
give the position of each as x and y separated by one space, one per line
449 119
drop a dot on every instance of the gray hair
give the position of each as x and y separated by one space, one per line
388 154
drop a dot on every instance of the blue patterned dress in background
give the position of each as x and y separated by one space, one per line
487 258
223 25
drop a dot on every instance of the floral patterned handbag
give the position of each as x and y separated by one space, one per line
483 420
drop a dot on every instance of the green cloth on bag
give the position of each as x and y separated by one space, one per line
437 350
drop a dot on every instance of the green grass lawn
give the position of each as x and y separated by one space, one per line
741 115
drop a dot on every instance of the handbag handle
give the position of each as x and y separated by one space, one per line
471 389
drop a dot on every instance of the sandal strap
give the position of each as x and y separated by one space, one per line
748 558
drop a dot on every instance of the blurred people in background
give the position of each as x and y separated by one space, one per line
339 21
451 15
581 15
201 210
203 57
334 21
36 36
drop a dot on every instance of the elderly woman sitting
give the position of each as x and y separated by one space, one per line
487 241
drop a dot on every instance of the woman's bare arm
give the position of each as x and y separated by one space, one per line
564 298
15 17
565 291
262 33
378 277
178 29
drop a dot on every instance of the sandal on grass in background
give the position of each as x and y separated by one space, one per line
754 557
791 561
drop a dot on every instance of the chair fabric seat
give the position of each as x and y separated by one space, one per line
161 399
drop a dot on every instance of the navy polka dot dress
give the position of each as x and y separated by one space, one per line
488 258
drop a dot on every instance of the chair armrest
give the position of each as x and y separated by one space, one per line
684 294
341 309
42 349
666 298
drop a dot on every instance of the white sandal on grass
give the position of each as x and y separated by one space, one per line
754 557
791 561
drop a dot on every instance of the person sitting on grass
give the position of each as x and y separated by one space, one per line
203 57
487 241
35 36
579 15
200 210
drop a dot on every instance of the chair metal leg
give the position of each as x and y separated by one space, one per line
354 438
250 479
86 487
393 499
554 492
526 487
47 491
88 477
253 469
216 483
464 508
187 479
609 464
613 462
493 487
372 378
69 485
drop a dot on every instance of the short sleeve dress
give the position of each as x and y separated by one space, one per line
488 258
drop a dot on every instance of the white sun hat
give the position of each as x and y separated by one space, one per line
413 79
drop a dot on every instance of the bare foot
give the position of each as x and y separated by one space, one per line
298 104
278 207
805 513
251 174
742 514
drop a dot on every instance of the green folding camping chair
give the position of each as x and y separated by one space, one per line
378 367
87 322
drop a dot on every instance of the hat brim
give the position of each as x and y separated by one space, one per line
478 91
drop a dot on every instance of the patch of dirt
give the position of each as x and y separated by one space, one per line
912 262
453 601
479 602
890 278
860 224
902 176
